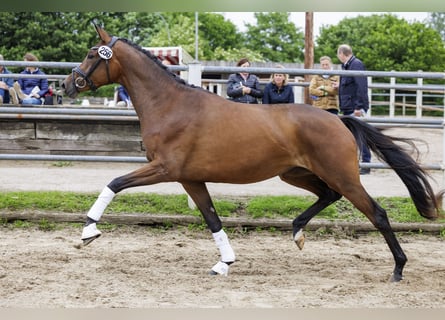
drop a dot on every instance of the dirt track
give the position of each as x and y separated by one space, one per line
152 268
143 267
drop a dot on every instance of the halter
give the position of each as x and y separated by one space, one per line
84 79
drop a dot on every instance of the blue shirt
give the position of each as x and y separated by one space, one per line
9 81
27 84
273 94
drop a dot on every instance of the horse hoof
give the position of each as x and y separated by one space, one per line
395 278
90 233
221 268
299 239
89 240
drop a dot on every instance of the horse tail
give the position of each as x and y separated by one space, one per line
413 176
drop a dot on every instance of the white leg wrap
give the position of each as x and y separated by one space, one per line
90 231
221 268
225 249
101 203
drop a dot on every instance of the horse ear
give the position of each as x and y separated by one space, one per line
104 36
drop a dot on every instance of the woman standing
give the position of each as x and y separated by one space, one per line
278 90
244 87
323 89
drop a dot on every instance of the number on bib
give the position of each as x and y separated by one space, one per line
105 52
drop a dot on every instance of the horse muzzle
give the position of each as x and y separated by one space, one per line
69 88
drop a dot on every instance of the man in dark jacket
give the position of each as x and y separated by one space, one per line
353 92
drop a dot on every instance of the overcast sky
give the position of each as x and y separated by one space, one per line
320 18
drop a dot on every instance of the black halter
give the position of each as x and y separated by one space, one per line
83 80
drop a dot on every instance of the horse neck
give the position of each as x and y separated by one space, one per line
146 82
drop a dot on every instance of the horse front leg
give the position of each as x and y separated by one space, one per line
149 174
90 231
200 195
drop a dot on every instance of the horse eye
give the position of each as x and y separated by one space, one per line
92 53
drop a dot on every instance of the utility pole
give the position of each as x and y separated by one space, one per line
308 50
196 36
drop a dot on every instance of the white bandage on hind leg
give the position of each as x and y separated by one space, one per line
101 203
222 242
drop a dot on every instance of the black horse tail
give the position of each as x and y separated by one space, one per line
413 176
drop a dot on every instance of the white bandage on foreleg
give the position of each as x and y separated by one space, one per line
222 242
101 203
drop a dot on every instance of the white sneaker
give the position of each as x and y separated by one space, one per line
89 233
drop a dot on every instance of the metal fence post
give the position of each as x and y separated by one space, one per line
195 78
419 98
195 73
370 96
392 98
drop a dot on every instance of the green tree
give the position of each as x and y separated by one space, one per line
217 37
234 54
52 36
275 37
180 32
219 34
385 43
65 36
436 20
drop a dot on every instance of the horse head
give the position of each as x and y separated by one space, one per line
97 69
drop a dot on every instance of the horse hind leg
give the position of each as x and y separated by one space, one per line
378 217
200 195
381 222
305 179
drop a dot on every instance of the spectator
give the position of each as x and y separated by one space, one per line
278 90
30 90
123 99
244 87
5 83
323 94
353 93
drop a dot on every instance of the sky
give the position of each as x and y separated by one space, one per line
320 18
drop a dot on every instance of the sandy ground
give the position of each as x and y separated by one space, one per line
142 267
147 267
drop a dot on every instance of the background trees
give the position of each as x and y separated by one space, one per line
276 38
383 41
436 20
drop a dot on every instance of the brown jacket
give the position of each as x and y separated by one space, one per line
326 97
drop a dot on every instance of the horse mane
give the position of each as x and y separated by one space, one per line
155 59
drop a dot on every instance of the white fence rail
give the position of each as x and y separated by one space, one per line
195 76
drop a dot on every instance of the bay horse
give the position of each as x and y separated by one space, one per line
192 136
